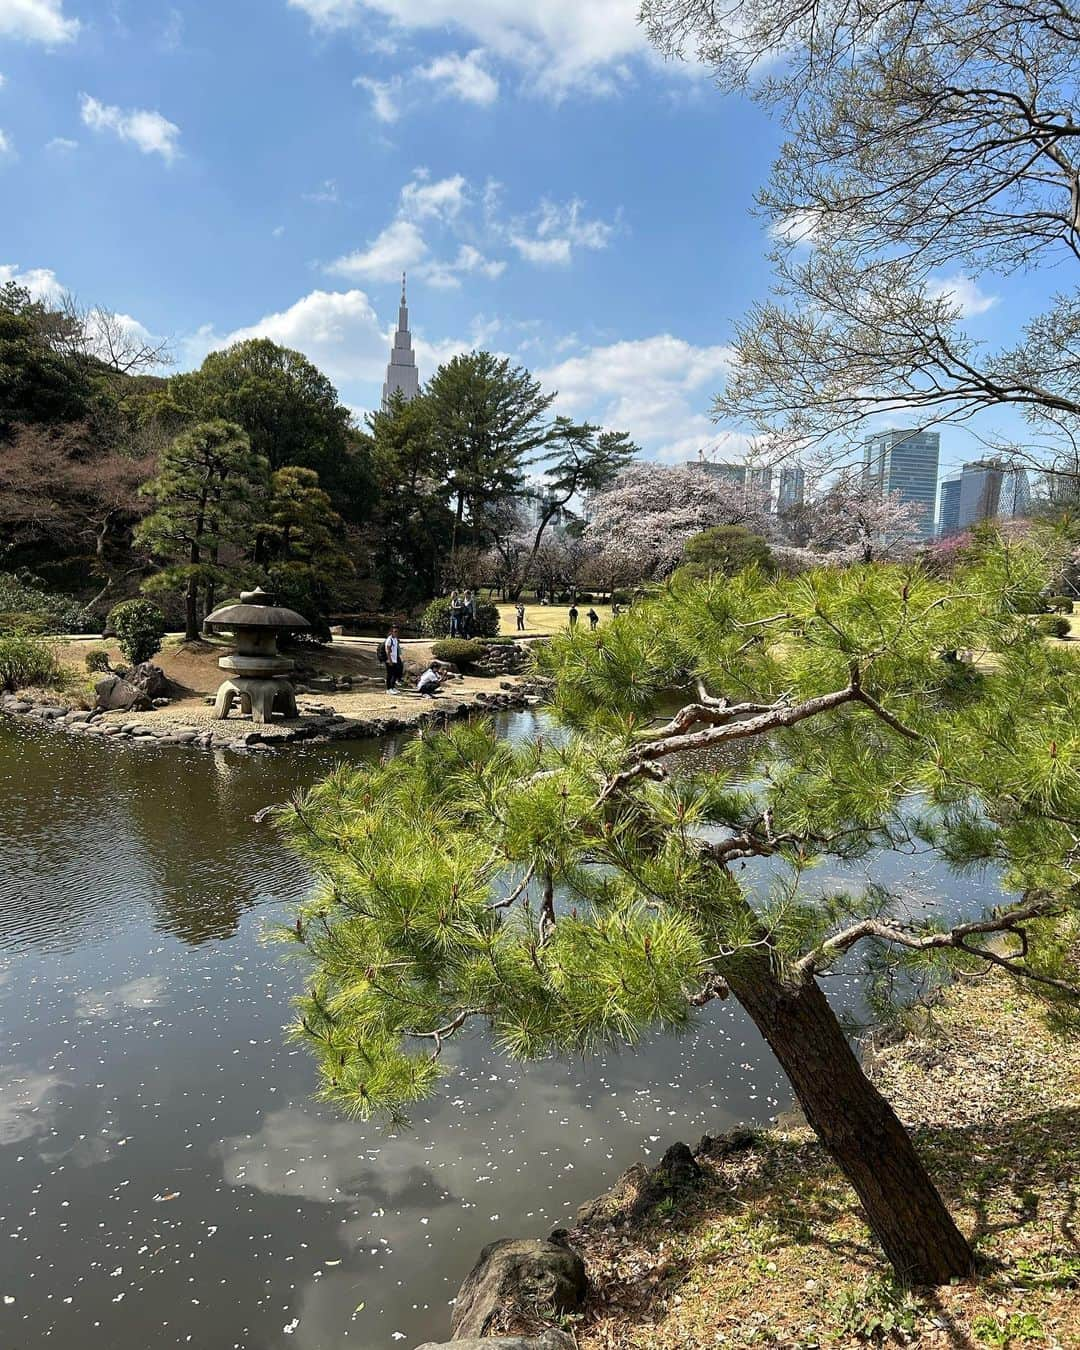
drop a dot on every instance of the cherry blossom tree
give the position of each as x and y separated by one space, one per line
854 521
640 524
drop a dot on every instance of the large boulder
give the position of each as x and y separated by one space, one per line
550 1340
113 694
524 1278
151 679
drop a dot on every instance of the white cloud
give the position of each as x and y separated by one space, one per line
442 198
657 388
5 143
325 195
800 228
446 275
393 251
964 293
464 77
385 96
152 133
41 282
551 237
338 330
60 145
37 21
561 45
3 80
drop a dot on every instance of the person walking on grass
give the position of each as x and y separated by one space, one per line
519 610
593 619
573 617
395 667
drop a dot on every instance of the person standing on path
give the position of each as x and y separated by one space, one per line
395 667
465 630
573 617
456 608
593 619
519 610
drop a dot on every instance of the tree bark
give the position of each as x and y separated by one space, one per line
853 1120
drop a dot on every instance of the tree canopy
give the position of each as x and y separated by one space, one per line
288 410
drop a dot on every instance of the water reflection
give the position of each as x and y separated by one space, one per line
165 1178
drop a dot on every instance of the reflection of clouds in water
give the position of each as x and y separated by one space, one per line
28 1104
146 992
326 1162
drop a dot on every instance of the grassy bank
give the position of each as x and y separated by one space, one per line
768 1249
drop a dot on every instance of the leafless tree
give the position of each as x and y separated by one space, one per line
929 142
116 340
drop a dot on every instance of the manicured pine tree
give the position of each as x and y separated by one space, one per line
208 492
301 542
584 888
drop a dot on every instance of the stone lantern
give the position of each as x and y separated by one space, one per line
258 673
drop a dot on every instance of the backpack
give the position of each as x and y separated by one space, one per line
380 653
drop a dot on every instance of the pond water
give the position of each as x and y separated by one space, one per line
165 1178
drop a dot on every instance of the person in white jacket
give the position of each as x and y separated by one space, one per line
395 667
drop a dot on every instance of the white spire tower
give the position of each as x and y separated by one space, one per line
401 374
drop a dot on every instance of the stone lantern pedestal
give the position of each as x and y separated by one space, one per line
258 673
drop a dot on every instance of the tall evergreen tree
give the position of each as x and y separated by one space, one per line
582 888
208 493
289 411
488 418
301 544
413 523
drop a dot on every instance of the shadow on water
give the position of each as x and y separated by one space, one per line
165 1177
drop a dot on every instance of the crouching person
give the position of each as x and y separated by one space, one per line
431 681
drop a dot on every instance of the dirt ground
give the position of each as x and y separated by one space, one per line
771 1249
193 667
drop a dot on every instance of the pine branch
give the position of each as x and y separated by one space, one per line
956 938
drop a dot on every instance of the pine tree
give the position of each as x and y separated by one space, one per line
302 543
581 889
488 420
207 491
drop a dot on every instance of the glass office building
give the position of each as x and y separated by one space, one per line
906 462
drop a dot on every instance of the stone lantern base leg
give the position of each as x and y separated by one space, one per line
260 698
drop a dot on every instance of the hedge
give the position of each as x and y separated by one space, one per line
458 651
436 619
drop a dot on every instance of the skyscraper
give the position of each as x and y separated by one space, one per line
756 480
989 489
905 462
949 509
401 373
792 487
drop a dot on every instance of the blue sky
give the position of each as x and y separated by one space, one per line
219 168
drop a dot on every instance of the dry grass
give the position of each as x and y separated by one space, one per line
771 1249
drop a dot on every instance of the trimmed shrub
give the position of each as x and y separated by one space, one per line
458 651
97 660
622 597
26 660
436 620
1054 625
1063 604
139 627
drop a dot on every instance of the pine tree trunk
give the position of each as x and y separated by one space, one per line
855 1123
191 614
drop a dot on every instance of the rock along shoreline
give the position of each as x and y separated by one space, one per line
317 723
